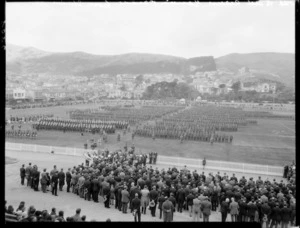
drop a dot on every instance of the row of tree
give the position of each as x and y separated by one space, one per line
163 90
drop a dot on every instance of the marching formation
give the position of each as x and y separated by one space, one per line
27 118
93 126
130 115
21 134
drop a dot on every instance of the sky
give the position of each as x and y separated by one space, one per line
179 29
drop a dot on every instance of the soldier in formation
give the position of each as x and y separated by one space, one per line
21 134
76 125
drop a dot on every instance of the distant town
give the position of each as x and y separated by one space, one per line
45 87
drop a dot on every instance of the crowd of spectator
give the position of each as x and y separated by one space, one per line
22 214
137 186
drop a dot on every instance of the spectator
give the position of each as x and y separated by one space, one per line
53 214
234 208
77 217
60 217
83 218
206 209
224 209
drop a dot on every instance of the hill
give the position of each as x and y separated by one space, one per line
32 60
272 66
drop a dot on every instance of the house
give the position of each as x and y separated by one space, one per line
19 93
9 94
36 95
265 88
244 70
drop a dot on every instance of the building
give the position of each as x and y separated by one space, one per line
19 94
9 94
244 70
36 95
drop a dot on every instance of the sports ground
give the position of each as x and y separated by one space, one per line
271 142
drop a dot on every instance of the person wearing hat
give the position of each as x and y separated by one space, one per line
136 207
95 186
189 200
125 199
68 179
22 174
224 209
153 196
243 210
265 211
61 178
206 209
54 183
167 208
275 216
145 198
161 200
234 209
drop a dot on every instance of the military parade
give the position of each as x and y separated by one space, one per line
21 134
27 118
93 126
133 115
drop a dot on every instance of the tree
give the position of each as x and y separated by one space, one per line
139 79
236 86
222 86
123 88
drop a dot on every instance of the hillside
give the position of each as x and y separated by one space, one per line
31 60
273 66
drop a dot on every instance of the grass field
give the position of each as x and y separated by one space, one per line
271 142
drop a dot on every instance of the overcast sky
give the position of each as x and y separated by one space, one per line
179 29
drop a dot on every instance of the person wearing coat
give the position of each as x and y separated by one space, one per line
95 189
161 200
44 181
73 181
234 210
196 209
61 178
224 209
206 209
36 179
167 208
189 200
87 189
22 174
153 196
81 181
136 207
54 183
285 216
265 211
68 179
145 198
173 201
28 174
125 199
106 195
180 199
275 216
